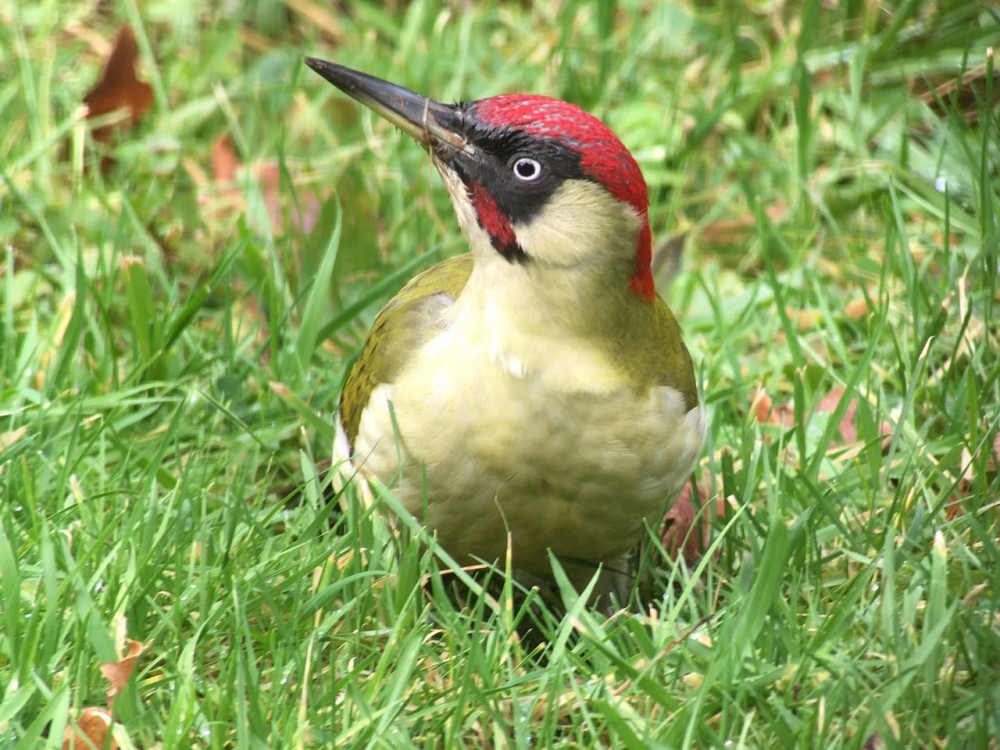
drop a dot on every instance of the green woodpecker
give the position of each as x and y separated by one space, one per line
532 395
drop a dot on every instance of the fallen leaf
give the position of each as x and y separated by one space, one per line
226 165
783 415
962 94
119 672
954 508
804 320
91 729
726 232
723 233
761 406
225 162
963 488
856 309
847 428
687 526
119 88
766 412
886 431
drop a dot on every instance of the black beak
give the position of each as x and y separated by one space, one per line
433 124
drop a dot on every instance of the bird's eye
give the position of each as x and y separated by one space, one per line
527 170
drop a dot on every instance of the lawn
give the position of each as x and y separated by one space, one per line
183 293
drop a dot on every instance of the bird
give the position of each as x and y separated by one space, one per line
532 397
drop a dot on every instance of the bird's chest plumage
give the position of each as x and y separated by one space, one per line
549 443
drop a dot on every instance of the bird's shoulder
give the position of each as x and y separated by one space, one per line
655 355
409 320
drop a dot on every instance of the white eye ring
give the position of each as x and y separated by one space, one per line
527 170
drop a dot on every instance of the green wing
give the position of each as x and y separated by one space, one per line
658 357
649 350
411 318
645 342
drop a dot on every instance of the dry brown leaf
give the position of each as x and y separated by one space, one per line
964 93
848 428
269 177
885 430
766 412
687 526
226 165
225 162
119 672
804 320
305 209
726 232
761 406
954 508
91 729
963 488
119 88
856 309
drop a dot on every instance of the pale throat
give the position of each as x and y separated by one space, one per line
545 318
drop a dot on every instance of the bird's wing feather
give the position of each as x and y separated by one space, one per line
649 349
669 357
410 319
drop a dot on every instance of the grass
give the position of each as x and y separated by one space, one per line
172 347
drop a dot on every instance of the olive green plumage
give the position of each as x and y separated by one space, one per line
410 319
651 357
533 397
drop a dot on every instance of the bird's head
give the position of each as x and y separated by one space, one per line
535 181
